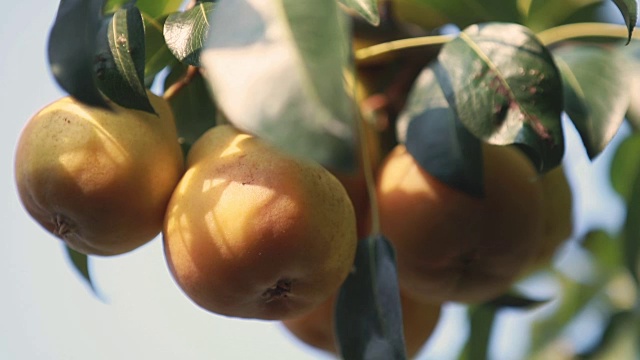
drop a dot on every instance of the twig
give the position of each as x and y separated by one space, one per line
172 90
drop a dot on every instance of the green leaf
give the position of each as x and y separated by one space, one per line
516 301
112 6
158 8
81 264
605 251
436 138
625 166
434 13
157 54
598 80
629 10
194 110
368 313
186 32
121 60
481 320
71 49
368 9
575 296
631 233
632 54
543 14
276 69
505 88
619 321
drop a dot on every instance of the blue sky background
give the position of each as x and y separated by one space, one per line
47 312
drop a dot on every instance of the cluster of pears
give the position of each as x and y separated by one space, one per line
252 232
248 230
451 246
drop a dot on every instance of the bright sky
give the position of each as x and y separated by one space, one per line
47 312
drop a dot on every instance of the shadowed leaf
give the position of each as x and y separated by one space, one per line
596 86
71 49
193 107
436 138
368 313
504 87
516 301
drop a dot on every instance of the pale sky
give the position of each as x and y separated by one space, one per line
47 312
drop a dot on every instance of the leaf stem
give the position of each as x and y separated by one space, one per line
383 48
172 90
580 30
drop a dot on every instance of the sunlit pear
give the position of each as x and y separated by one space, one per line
316 328
253 232
99 179
454 247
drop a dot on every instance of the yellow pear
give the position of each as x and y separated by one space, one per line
100 180
253 232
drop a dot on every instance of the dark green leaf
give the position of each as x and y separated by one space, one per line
631 234
434 13
193 107
543 14
81 264
112 6
505 88
276 69
629 10
71 49
368 314
158 8
186 32
625 166
596 83
436 138
481 320
121 58
632 53
157 54
516 301
605 251
368 9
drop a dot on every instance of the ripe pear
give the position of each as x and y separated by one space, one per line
454 247
253 232
557 213
99 179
